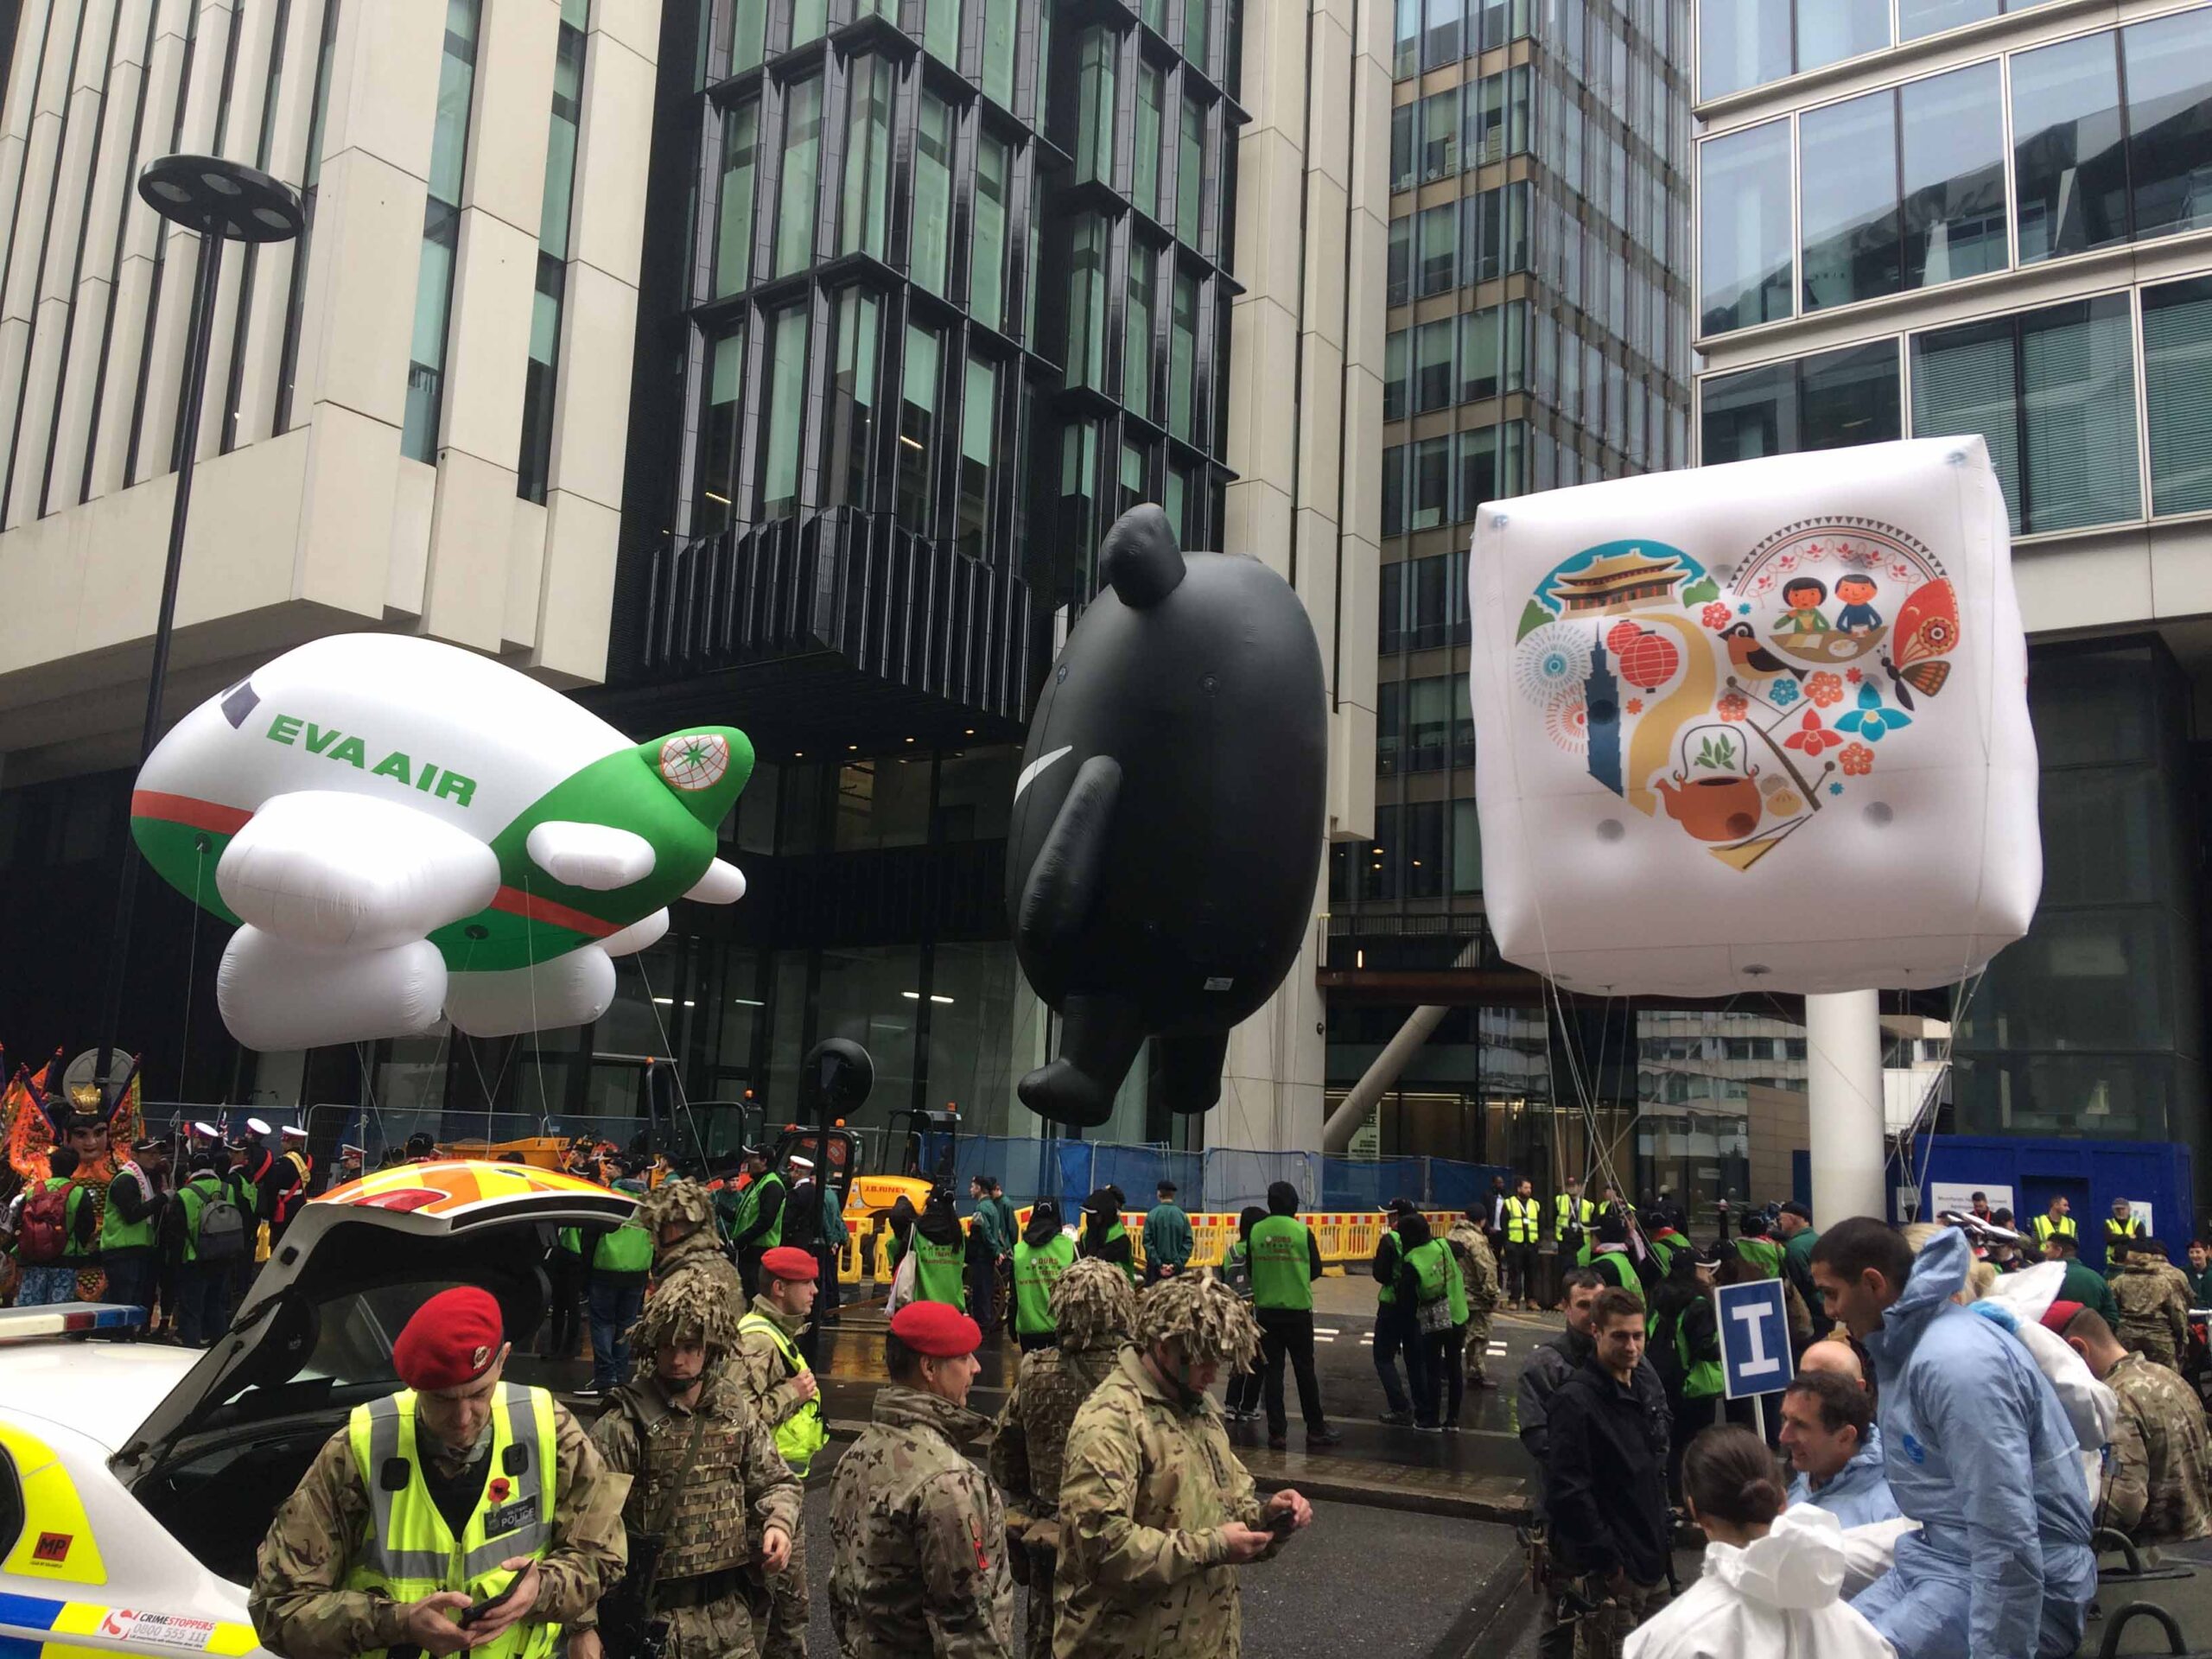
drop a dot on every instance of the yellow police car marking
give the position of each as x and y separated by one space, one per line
118 1627
57 1542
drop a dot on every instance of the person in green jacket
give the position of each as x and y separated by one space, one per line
2198 1271
1795 1224
940 1249
2082 1283
760 1223
1103 1236
1044 1251
1285 1259
1758 1248
990 1245
618 1263
1431 1290
1168 1240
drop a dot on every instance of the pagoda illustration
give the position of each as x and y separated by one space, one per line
1616 583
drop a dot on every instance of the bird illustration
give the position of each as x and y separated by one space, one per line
1752 657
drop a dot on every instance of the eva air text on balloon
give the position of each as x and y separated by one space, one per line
350 749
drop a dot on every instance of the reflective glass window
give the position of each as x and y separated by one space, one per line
2177 369
978 438
1829 31
1136 370
1197 16
2169 72
1094 129
1439 133
1394 375
941 30
2069 163
1405 56
1954 128
786 429
1847 190
1441 41
999 34
1433 376
1152 97
1479 354
932 220
718 434
1399 284
733 233
749 34
1393 492
1814 403
1742 43
1485 122
986 249
864 212
1401 146
1466 848
1086 349
1438 240
2053 393
1425 848
852 400
802 155
1182 356
1190 172
1432 483
1744 249
1919 17
917 406
808 17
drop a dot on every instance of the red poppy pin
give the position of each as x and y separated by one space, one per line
499 1489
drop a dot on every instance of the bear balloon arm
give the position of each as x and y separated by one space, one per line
722 884
1063 885
596 857
333 871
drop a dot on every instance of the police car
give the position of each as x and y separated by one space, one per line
137 1479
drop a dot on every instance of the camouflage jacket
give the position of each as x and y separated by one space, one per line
300 1610
2158 1476
2153 1302
1049 1390
757 1367
1148 1487
918 1538
1477 1267
737 1475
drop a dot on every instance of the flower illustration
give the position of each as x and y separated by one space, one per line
1811 737
1567 723
1789 560
1858 760
1714 616
1744 610
1550 664
1900 571
1854 675
1734 706
1835 789
1782 692
1636 705
1825 689
1870 720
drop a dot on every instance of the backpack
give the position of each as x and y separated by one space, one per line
42 1235
222 1231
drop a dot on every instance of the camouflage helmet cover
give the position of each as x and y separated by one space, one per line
683 1306
1093 1305
1202 1313
683 1203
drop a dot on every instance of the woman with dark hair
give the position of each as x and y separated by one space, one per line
1236 1272
1773 1579
1103 1235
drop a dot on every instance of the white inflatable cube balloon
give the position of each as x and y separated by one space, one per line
1757 727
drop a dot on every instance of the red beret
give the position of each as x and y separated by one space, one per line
788 1262
937 1329
452 1340
2059 1315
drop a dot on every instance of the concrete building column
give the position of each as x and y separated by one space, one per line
1843 1054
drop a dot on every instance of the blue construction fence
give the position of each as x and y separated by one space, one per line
1222 1179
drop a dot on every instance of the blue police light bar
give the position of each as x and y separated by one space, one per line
67 1320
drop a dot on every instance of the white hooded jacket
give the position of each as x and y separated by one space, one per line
1778 1598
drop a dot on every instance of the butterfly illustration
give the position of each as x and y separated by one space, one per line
1927 631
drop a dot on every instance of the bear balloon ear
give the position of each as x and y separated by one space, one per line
1139 560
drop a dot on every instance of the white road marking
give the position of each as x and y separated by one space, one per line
1029 772
1327 1330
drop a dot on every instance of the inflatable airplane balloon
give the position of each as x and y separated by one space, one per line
402 828
1756 726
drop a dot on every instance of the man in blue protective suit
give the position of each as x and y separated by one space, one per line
1977 1450
1835 1450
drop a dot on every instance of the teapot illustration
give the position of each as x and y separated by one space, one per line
1724 804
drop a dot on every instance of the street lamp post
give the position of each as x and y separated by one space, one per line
224 201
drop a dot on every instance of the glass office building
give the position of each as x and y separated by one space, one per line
1539 337
1963 216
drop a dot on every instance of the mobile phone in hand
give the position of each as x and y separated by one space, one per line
1282 1521
477 1610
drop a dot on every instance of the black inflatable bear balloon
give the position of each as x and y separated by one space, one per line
1168 820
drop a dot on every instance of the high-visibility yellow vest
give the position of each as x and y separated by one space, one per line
2115 1228
2045 1227
802 1433
1568 1210
1522 1221
410 1552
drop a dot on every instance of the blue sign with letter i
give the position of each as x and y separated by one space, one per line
1754 1321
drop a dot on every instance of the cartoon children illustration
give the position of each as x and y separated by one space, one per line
1856 594
1803 595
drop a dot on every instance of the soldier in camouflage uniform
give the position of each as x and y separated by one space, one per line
686 1239
1156 1512
451 1354
766 1366
916 1532
2158 1483
700 1462
2153 1302
1478 1271
1094 1310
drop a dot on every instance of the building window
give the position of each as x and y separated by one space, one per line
734 232
1182 357
1433 365
1432 483
310 180
1399 282
1489 353
802 157
1489 465
853 398
932 216
986 247
1394 494
1132 475
541 376
808 20
2070 152
1424 834
1405 55
917 428
1136 366
2053 393
1440 39
441 234
1440 248
1812 402
2169 69
941 31
1189 171
1094 129
1953 175
1394 375
786 426
1086 350
1466 848
1439 135
1744 250
718 434
1195 20
863 213
1919 17
1401 146
1749 42
1493 233
1079 493
999 36
978 438
749 37
2177 362
1848 185
1151 97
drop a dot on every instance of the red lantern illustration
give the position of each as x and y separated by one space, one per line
1649 661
